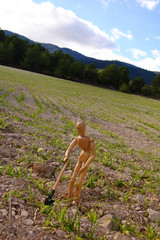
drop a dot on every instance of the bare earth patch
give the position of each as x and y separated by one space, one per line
30 134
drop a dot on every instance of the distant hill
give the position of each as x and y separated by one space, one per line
100 64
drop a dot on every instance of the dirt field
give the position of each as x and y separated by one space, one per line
122 183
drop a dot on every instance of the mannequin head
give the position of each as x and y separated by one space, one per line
81 128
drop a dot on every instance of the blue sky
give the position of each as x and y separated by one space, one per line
125 30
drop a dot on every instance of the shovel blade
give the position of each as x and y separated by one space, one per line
48 201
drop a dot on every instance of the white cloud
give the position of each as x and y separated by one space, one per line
137 53
117 34
156 53
149 64
158 37
105 3
149 4
45 23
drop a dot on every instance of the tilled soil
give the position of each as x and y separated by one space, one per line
22 212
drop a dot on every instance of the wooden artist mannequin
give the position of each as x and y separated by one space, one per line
85 159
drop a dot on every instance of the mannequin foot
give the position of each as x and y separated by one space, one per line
75 200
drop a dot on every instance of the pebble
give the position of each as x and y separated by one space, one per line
107 223
67 173
31 233
61 234
138 208
153 215
140 198
24 213
28 222
13 213
4 212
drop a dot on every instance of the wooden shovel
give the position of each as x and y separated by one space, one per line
49 200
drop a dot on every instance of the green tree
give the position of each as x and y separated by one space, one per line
77 71
135 86
9 54
91 75
124 87
124 75
156 86
156 81
33 59
110 76
2 36
2 53
63 68
147 90
19 49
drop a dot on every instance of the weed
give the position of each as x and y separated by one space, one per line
10 170
90 234
93 180
62 215
40 184
151 233
2 169
21 98
6 197
93 216
128 227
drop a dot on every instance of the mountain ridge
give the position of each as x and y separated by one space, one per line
134 71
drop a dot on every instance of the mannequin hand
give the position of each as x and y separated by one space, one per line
82 169
65 159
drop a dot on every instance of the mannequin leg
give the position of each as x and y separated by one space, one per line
79 186
73 179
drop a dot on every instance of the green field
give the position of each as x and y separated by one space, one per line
126 131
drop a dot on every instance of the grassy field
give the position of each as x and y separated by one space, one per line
43 111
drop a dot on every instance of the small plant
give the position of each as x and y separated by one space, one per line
2 169
6 197
151 233
108 162
93 216
62 215
40 184
128 227
18 194
18 172
93 180
120 183
31 195
90 234
127 196
10 170
21 98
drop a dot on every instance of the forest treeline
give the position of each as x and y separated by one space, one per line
19 53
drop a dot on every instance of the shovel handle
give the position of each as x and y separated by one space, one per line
60 175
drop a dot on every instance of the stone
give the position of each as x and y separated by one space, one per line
30 233
108 223
153 215
4 212
13 213
105 193
67 173
28 222
139 198
43 169
24 213
61 234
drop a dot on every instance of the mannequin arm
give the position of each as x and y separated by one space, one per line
69 149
